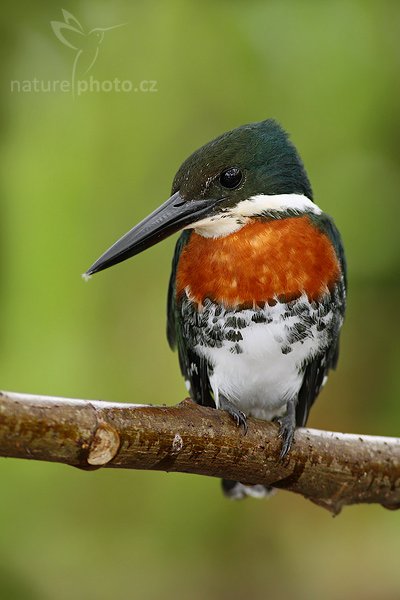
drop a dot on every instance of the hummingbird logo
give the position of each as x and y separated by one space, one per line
86 44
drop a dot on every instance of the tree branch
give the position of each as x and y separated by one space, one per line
331 469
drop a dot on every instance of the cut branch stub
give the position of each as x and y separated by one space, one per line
104 445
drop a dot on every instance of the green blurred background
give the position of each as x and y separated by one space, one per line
77 173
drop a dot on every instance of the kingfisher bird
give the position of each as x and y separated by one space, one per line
257 292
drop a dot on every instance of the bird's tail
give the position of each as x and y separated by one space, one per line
238 491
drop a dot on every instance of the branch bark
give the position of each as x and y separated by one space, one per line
331 469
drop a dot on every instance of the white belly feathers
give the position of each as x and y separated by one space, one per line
260 363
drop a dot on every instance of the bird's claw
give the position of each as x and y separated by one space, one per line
240 420
286 433
238 416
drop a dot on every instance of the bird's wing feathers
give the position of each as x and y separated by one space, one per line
317 370
313 380
171 300
193 367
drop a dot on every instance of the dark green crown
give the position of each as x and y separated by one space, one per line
264 160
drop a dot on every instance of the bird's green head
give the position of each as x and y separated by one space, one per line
253 159
250 172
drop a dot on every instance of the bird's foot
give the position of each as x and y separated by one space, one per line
236 414
287 427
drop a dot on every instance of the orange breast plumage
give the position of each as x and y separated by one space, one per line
264 260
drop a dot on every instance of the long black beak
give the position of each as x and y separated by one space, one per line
170 217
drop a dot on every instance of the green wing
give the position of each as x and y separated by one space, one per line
319 367
193 367
171 301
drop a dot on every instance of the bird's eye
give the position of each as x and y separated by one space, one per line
230 178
